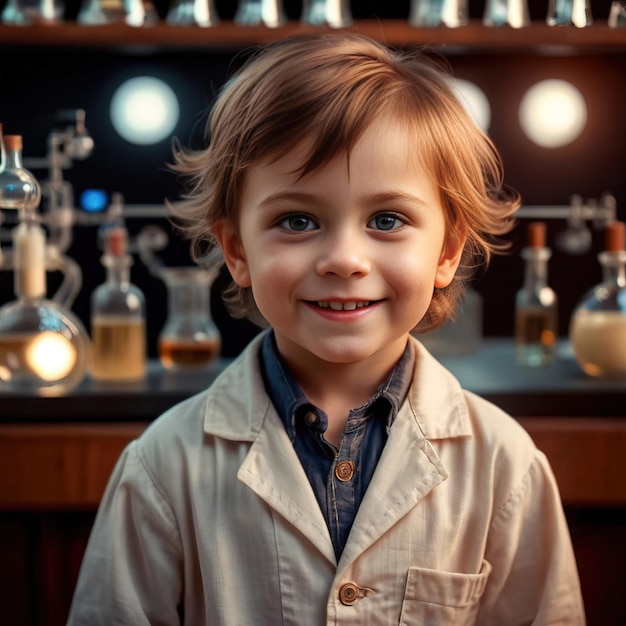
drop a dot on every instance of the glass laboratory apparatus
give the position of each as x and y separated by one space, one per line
536 304
44 348
118 322
189 339
333 13
598 325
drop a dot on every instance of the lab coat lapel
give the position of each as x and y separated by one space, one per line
274 472
408 470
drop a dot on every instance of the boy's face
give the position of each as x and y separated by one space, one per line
343 262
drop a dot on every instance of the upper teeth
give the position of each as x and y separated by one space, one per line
342 306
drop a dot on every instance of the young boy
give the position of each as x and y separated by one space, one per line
335 473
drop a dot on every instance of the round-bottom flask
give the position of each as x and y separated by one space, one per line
44 349
598 325
189 339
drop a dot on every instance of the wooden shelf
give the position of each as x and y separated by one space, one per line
227 35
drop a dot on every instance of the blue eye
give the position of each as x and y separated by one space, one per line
385 221
298 222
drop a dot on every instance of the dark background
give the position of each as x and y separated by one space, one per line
37 83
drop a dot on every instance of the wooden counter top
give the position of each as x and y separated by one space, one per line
57 453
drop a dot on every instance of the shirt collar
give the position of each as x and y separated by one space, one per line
289 399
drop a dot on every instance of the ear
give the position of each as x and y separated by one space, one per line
449 259
234 255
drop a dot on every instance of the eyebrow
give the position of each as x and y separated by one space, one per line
289 196
385 197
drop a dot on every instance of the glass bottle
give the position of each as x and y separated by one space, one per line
536 304
513 13
118 325
44 348
433 13
598 325
333 13
268 13
131 12
14 14
189 338
569 13
192 13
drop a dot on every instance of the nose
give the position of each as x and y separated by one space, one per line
344 254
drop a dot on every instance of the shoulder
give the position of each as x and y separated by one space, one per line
222 411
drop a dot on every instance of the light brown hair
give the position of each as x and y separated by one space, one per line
329 88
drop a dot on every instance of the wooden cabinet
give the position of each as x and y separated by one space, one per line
66 466
52 477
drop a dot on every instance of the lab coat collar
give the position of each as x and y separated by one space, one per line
239 409
237 402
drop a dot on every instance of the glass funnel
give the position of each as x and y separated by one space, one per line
189 339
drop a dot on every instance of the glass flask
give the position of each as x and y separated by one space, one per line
14 14
513 13
44 348
19 189
536 304
569 13
432 13
268 13
130 12
333 13
189 339
118 323
598 325
192 13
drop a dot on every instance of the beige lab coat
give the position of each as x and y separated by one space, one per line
210 511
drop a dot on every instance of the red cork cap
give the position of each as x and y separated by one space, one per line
615 237
116 241
13 142
536 235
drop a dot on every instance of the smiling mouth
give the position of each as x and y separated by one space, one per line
342 306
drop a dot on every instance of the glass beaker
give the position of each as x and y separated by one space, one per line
189 339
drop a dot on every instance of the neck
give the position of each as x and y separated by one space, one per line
336 388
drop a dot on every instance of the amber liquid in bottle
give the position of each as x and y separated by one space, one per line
119 348
536 312
198 354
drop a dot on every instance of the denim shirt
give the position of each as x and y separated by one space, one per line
339 476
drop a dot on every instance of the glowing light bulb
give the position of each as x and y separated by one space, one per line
474 100
144 110
51 356
553 113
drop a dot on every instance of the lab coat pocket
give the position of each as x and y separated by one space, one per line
433 597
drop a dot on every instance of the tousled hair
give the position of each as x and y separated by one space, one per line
328 89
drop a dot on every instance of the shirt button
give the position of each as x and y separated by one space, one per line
349 594
310 418
344 471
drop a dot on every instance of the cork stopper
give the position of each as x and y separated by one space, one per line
116 242
13 142
615 237
536 235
